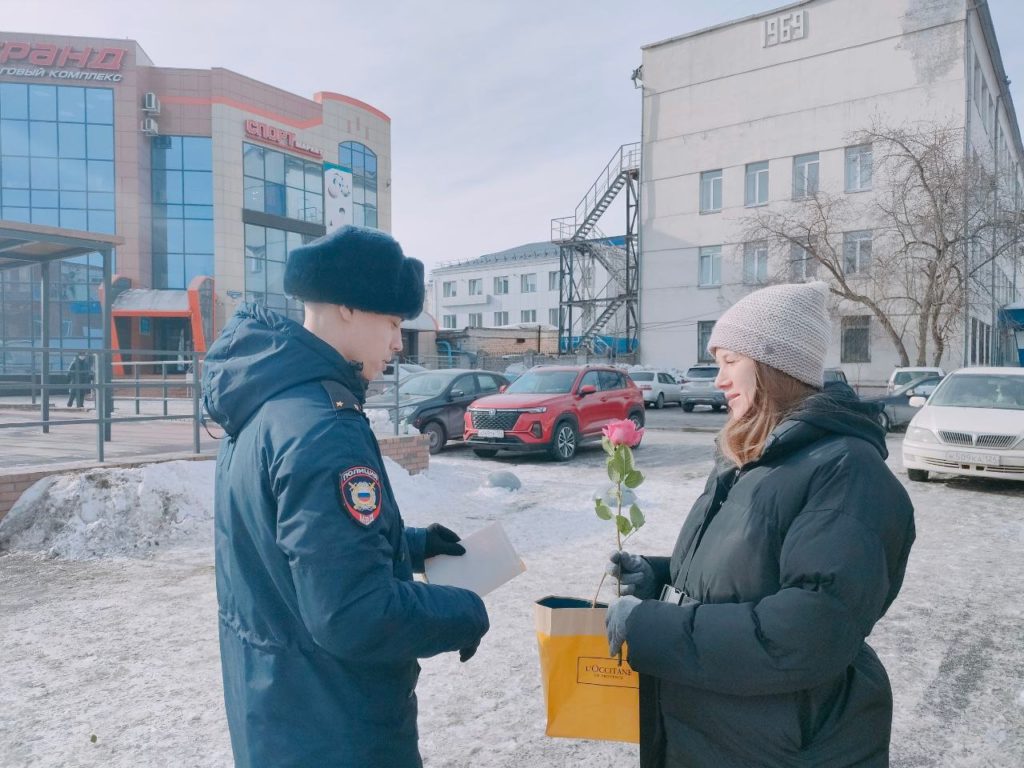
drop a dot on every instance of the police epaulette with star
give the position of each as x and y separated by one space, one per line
341 397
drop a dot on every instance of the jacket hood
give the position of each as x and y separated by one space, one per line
260 354
823 414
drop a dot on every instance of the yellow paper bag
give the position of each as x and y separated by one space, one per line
587 694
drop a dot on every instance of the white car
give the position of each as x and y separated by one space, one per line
903 376
658 387
973 424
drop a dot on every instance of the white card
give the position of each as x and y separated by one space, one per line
489 562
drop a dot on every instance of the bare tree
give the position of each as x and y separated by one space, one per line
911 275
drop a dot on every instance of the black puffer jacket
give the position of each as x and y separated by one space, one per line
787 563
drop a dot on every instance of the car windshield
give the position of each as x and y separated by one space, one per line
902 377
543 383
981 391
920 380
702 373
424 385
642 376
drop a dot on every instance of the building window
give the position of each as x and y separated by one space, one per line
448 288
857 252
805 175
711 191
501 285
755 263
528 316
553 276
981 340
757 184
802 264
710 273
553 316
978 79
182 227
500 319
56 169
448 321
856 339
858 168
476 286
282 185
363 162
528 283
266 249
704 328
476 319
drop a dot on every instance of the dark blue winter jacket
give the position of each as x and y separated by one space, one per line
320 621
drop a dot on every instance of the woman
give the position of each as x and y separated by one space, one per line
750 638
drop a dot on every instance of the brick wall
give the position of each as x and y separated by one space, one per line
411 451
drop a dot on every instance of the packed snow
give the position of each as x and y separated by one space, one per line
110 631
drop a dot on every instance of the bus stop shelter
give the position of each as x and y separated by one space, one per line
24 245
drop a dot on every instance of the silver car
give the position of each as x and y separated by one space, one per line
658 387
699 388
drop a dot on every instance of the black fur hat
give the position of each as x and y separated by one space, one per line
360 268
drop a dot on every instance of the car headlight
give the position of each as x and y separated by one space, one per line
539 409
405 413
921 435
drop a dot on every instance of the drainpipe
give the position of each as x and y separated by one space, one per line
969 86
995 236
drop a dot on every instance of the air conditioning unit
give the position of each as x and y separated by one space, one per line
150 103
149 127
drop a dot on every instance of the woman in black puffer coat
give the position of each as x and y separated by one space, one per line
750 638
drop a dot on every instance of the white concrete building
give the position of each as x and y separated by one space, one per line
764 110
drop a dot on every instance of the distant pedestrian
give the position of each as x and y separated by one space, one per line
321 622
79 378
750 638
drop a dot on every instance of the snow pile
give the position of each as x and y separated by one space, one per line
104 512
382 426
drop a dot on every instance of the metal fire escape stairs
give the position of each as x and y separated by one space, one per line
588 308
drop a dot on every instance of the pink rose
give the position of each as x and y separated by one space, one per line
623 432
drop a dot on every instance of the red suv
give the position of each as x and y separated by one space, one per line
553 409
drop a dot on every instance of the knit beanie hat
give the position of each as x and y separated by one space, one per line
358 267
784 326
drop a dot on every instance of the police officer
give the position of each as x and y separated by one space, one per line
321 623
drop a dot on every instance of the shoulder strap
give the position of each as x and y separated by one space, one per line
341 396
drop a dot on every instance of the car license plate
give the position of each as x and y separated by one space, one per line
490 433
963 457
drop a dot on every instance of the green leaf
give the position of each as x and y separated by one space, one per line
602 509
633 478
627 460
607 445
636 516
623 524
614 472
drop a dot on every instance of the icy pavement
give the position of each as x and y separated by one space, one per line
122 646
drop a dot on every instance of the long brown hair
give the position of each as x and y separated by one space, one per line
778 394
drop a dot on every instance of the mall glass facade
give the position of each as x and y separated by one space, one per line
56 169
283 185
266 249
363 162
182 210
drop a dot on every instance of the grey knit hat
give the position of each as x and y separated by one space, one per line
784 326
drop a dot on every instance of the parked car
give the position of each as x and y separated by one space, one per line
698 388
553 409
834 375
435 402
386 380
894 410
973 424
658 387
904 375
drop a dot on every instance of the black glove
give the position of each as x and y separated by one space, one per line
441 541
465 654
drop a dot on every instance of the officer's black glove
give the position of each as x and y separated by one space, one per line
466 654
441 541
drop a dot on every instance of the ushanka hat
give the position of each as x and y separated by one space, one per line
360 268
785 326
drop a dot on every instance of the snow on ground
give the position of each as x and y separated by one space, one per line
107 639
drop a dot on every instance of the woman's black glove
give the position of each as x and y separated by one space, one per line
441 541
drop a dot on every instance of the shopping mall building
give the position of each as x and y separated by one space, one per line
209 177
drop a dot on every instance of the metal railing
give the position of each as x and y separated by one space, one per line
627 158
42 383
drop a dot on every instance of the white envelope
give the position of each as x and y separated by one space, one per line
489 562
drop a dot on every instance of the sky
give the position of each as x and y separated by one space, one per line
503 112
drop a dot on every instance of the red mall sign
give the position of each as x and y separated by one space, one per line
49 60
273 135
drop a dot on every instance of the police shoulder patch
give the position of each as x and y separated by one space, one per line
359 488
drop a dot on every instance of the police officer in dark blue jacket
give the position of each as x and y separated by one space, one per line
321 623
